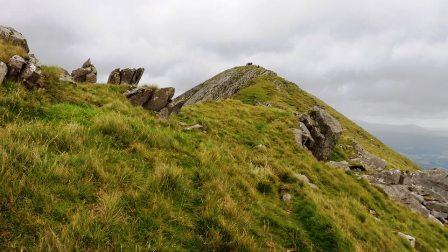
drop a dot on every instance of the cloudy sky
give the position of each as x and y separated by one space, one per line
377 61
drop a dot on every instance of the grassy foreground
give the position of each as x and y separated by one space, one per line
81 168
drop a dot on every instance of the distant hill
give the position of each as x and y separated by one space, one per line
429 148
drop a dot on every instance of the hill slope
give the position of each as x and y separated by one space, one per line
82 168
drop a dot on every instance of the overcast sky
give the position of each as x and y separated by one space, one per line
377 61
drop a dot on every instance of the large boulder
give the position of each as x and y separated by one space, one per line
3 71
160 99
139 96
86 73
15 66
126 76
14 37
319 132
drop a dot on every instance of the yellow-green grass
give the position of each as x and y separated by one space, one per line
82 169
286 95
7 50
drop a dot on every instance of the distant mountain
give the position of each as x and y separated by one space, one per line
427 147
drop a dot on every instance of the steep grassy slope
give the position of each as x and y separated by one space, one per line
82 168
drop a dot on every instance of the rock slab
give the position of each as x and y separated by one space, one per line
126 76
14 37
86 73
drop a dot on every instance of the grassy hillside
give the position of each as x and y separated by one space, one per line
8 50
82 168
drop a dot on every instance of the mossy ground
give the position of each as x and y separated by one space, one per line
81 168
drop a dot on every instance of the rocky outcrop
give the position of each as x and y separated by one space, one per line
3 72
86 73
318 131
425 192
223 85
368 160
158 100
26 71
65 76
126 76
14 37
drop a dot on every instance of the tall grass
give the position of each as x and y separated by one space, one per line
82 169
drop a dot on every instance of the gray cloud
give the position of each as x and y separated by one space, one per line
379 61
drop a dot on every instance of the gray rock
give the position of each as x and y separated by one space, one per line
305 180
91 77
194 127
3 72
86 73
286 197
160 99
437 206
139 96
223 85
344 165
14 37
66 77
126 76
408 238
31 76
114 77
368 160
324 129
15 66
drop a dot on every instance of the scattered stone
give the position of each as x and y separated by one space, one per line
287 197
408 238
249 64
160 99
265 104
305 180
435 220
87 73
194 127
130 76
3 72
14 37
321 134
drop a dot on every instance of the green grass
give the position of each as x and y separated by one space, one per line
8 50
82 169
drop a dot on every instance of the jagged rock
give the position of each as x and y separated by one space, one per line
422 191
368 160
223 85
303 136
31 75
65 76
114 77
160 99
14 37
139 96
286 197
170 109
87 73
128 75
408 238
3 72
324 129
15 66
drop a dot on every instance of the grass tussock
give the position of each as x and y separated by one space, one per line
81 168
7 50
